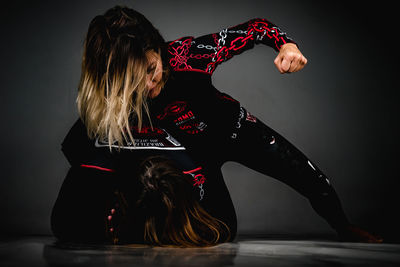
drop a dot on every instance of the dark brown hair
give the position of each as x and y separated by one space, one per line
166 212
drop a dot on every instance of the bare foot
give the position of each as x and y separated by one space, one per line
353 233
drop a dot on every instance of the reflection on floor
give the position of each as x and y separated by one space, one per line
44 251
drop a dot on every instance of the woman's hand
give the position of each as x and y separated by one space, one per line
289 59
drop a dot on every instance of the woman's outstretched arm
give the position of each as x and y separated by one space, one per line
206 52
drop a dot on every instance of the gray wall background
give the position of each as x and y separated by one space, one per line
341 110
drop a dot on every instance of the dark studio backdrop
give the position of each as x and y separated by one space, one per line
341 110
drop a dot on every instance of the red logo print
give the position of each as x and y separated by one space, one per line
185 117
174 108
250 117
198 178
148 130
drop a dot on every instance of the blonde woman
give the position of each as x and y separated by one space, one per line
146 102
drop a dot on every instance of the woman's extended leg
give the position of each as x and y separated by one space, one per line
260 148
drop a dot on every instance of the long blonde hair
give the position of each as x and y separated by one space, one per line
112 89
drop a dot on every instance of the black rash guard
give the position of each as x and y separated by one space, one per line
190 106
89 191
198 127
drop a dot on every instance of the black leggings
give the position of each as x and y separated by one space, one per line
257 146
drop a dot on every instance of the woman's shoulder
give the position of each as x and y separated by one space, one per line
182 56
179 48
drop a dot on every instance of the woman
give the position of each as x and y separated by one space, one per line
140 94
153 204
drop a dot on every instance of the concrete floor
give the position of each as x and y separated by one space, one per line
43 251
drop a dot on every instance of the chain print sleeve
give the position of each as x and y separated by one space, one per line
206 52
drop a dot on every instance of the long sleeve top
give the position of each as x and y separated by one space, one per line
190 107
189 112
